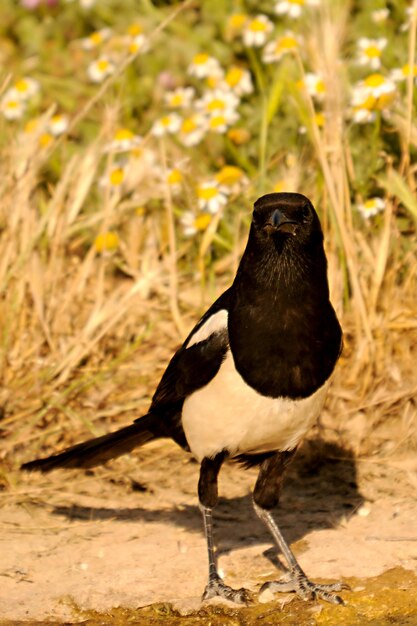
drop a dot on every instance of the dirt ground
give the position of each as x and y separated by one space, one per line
129 535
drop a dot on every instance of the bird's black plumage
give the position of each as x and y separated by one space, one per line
250 378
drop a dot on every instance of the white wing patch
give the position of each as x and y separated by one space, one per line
227 414
216 322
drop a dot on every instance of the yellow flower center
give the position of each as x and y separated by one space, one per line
175 177
385 100
319 119
238 136
287 42
135 29
237 21
22 85
320 86
188 125
368 104
45 139
229 175
106 242
116 176
279 186
96 38
12 104
207 193
200 59
372 52
202 221
299 2
370 204
257 25
31 126
165 121
406 70
234 76
216 121
374 80
123 134
102 65
215 104
176 99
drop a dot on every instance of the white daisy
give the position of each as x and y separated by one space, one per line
192 223
399 74
192 129
285 44
95 39
58 124
26 88
370 51
379 16
231 179
293 8
314 84
220 122
100 69
180 98
139 43
11 106
256 31
170 123
210 198
238 80
204 65
123 140
175 179
371 207
217 101
375 93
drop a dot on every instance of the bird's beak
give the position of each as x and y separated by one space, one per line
279 222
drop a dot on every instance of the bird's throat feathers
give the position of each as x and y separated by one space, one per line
282 266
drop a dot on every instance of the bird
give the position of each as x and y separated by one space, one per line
248 382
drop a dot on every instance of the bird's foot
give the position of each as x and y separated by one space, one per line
216 587
298 582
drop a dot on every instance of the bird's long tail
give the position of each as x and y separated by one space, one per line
100 449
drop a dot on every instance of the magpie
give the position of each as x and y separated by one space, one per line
249 380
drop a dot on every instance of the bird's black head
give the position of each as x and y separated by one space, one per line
285 217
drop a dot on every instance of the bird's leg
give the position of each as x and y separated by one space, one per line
265 497
207 494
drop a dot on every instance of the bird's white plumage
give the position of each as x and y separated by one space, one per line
216 322
228 414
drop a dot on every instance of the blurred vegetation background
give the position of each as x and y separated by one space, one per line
134 139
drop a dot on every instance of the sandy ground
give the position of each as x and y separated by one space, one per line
130 534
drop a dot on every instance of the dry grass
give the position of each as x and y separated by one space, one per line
83 345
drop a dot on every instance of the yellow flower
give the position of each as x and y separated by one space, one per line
239 80
279 186
95 39
275 50
238 136
135 29
236 22
257 30
231 179
175 176
116 176
106 242
45 140
192 223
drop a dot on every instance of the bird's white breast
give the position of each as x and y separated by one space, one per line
227 414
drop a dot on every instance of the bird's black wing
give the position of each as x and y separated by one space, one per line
194 364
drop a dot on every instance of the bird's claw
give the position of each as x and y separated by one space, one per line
298 582
216 587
